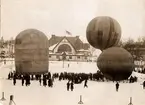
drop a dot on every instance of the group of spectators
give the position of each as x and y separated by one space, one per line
48 79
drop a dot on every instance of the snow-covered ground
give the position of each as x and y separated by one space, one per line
97 93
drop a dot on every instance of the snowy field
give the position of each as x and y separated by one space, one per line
97 93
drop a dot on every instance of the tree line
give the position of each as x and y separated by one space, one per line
136 48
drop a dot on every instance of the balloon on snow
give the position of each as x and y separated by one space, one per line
31 52
116 63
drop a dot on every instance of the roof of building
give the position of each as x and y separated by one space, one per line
52 47
75 41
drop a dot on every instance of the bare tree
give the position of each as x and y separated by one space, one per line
134 47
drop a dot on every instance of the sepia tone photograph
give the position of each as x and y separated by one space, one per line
72 52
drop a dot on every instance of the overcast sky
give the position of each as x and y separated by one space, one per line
56 16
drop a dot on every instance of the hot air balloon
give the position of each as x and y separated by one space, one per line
116 63
31 52
103 32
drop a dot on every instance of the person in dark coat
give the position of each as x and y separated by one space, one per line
68 84
50 83
32 77
22 81
9 76
117 86
14 81
72 86
40 81
44 81
29 80
85 84
144 85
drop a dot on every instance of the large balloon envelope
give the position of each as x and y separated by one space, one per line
116 63
31 52
103 32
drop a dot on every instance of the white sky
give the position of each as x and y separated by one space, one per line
56 16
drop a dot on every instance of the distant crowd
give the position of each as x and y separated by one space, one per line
48 78
72 78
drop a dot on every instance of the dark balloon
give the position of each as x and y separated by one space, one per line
103 32
116 63
31 52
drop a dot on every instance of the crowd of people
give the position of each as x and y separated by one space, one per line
26 79
47 79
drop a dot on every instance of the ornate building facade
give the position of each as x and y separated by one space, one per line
68 48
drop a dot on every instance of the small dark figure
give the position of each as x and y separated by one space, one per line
44 82
85 84
144 85
117 86
72 86
22 81
68 65
9 76
68 84
40 81
28 80
32 77
50 84
14 81
131 80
